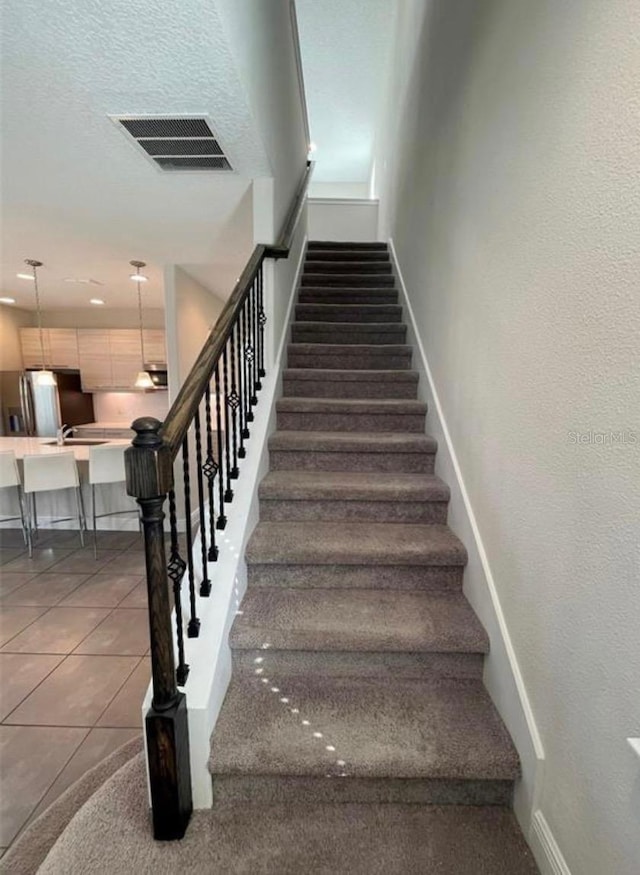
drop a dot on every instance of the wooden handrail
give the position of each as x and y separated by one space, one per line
183 409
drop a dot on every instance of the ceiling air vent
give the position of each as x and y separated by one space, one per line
175 143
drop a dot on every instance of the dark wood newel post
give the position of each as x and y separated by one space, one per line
149 468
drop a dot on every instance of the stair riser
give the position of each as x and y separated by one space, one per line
271 789
432 578
371 422
342 267
356 334
347 296
348 389
304 510
341 313
383 463
365 361
347 255
368 246
279 664
344 280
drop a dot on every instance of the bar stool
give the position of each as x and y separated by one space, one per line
10 478
49 473
106 465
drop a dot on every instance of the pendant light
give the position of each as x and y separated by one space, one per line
143 380
44 376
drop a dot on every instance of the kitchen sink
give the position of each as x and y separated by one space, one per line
77 442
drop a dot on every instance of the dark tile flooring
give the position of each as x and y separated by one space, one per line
74 663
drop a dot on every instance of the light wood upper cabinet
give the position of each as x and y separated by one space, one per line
95 359
32 349
63 346
154 346
108 358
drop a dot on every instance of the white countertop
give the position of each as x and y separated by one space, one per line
106 424
30 446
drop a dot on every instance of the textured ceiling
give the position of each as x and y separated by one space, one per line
345 54
75 193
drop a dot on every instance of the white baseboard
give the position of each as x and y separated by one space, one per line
502 677
545 848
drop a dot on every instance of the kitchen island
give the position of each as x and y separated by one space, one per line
111 497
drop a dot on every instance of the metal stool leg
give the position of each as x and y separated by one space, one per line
29 525
80 514
23 519
95 525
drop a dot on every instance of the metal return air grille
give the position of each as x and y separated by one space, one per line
177 143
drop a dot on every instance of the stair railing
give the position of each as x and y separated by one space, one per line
209 423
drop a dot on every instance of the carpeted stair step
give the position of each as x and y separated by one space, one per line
348 313
312 383
360 267
319 279
349 356
331 496
360 255
362 555
351 451
382 739
357 633
351 414
309 295
365 333
314 245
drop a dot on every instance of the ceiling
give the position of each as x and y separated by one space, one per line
345 47
76 194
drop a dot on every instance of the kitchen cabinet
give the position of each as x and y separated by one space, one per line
154 346
111 358
60 348
108 358
95 359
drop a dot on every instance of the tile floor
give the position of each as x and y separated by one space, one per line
74 663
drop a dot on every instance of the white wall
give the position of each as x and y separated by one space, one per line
103 317
340 219
513 200
261 39
127 406
12 319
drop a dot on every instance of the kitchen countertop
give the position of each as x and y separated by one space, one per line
106 424
30 446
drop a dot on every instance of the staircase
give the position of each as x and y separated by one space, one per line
357 661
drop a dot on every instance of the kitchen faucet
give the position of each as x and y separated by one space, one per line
63 433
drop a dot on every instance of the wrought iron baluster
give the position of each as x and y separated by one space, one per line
253 364
205 583
242 425
246 363
210 469
233 400
262 318
193 629
228 495
175 569
222 520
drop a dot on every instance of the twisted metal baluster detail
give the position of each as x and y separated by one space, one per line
210 469
193 629
175 569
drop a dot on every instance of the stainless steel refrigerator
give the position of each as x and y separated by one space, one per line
39 411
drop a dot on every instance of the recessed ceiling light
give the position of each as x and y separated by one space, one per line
97 301
7 300
25 276
138 277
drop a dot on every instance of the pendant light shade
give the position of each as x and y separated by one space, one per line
143 380
44 377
